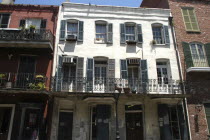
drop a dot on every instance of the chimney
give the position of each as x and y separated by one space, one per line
7 1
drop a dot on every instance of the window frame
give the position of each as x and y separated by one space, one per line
196 21
161 26
132 24
103 40
8 19
72 21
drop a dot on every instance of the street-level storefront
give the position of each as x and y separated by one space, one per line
140 117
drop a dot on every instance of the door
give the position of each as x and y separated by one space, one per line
134 122
69 77
133 78
162 75
100 77
5 117
65 125
31 124
27 66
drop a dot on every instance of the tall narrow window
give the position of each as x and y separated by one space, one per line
101 31
72 28
4 20
130 32
160 34
162 72
190 19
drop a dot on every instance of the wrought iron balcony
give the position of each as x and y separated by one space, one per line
37 38
110 85
22 81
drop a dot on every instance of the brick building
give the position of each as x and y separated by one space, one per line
27 35
191 20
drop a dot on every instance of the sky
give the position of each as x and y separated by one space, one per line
129 3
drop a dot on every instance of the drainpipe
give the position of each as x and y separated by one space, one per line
180 76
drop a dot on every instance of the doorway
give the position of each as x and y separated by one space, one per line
134 122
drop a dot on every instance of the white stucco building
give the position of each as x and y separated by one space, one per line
101 50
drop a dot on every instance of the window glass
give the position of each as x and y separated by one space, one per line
72 28
34 22
157 34
101 31
4 20
130 32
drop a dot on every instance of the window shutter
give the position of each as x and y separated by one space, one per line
111 72
182 123
103 113
166 35
79 76
90 67
144 75
110 33
123 66
207 111
122 33
139 34
207 49
80 31
22 23
63 30
59 77
165 133
43 23
187 54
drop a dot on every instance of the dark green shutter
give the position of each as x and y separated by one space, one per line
111 66
144 75
43 24
187 54
122 33
110 33
139 34
207 49
164 126
79 76
59 77
103 113
22 23
182 123
80 31
166 35
63 30
123 67
90 67
207 110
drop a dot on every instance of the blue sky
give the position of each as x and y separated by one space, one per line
130 3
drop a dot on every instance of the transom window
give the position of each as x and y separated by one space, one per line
198 55
4 20
190 19
130 32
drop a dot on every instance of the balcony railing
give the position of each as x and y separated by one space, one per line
197 61
26 35
22 81
110 85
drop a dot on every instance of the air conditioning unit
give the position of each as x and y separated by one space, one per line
71 37
99 40
68 60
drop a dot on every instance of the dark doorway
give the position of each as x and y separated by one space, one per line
5 116
65 125
134 122
30 129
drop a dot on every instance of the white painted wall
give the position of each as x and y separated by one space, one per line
116 15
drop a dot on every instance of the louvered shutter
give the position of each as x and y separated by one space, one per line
103 113
139 34
80 31
63 30
207 111
144 75
166 35
187 54
123 66
163 116
111 74
22 23
79 77
207 49
122 33
110 33
59 75
43 23
182 123
90 67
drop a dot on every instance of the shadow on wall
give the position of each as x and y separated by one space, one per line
133 48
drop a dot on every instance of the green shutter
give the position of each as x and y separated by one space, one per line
110 33
139 34
80 31
207 110
90 69
59 74
187 54
63 30
144 75
79 76
207 49
122 33
123 67
166 35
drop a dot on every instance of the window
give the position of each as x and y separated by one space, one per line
38 23
4 20
207 111
190 19
198 55
103 32
162 72
160 34
72 28
130 32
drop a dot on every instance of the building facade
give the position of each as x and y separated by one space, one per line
106 52
192 30
27 35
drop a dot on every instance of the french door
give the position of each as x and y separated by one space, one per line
100 77
162 75
133 78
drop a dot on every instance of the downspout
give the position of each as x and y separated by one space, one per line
181 77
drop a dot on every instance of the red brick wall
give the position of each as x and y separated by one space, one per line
155 4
